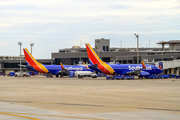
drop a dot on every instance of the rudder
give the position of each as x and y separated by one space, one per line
93 57
29 58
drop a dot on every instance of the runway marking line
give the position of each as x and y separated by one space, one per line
13 114
10 114
91 105
122 107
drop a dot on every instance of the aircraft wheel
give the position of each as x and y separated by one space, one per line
79 76
57 76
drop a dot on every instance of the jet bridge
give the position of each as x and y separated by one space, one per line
170 67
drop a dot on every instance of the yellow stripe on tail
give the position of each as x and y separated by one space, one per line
143 64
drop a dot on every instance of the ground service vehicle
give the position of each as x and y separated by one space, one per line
120 77
11 74
18 74
81 74
26 74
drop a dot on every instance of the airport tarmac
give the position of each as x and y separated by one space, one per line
41 98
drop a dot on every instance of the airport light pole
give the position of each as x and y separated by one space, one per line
98 41
20 43
137 36
32 44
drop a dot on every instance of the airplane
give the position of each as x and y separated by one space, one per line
119 69
58 70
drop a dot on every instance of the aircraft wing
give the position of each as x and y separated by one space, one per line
64 71
135 72
26 66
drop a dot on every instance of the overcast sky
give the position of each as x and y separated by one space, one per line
55 24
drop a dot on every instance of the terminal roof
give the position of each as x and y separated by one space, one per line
169 42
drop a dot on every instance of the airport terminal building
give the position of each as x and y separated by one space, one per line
12 64
169 56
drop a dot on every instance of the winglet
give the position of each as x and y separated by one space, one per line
85 65
62 66
143 64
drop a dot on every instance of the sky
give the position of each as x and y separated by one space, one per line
56 24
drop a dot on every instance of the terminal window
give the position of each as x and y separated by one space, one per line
107 48
104 49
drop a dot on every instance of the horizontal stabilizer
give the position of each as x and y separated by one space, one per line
93 66
22 65
29 66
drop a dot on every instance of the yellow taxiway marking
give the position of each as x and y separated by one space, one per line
13 114
10 114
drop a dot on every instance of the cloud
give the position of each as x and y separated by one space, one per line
139 32
58 24
24 12
4 43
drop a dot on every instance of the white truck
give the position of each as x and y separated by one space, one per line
18 74
24 74
81 74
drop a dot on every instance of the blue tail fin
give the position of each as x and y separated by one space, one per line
27 63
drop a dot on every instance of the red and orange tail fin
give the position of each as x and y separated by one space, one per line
93 57
62 66
29 58
143 64
85 65
32 61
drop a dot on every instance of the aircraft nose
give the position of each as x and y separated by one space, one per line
160 70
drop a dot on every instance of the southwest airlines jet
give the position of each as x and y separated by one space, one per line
58 70
119 69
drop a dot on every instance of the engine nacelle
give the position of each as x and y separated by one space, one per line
143 73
